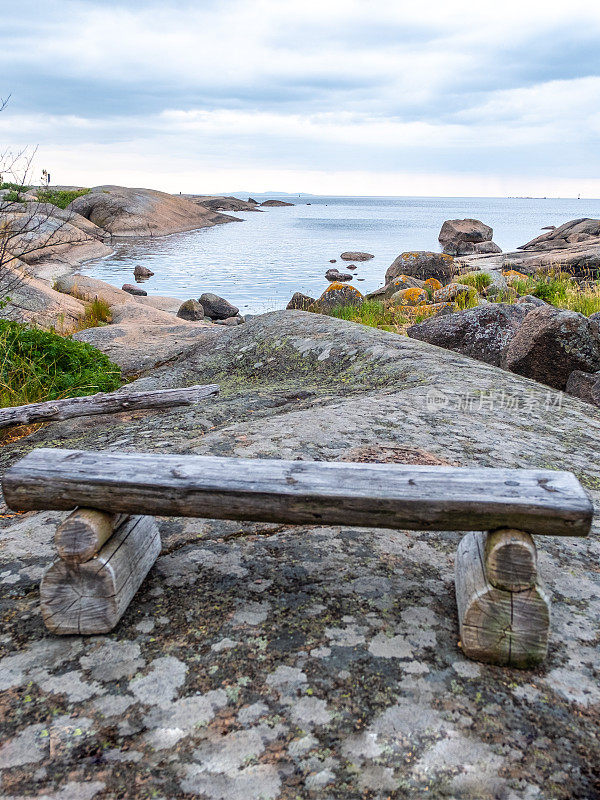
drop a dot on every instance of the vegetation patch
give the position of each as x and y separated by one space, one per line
372 313
479 280
39 365
60 197
562 291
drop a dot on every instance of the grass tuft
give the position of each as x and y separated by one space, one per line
478 280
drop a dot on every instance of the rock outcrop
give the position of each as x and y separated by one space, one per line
279 658
422 264
276 203
551 344
585 386
143 212
216 203
577 231
460 237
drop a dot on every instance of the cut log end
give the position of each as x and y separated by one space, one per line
91 597
505 628
81 536
510 560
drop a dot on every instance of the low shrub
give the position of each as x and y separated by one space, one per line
37 365
60 197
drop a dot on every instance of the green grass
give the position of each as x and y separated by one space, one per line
96 313
562 291
37 365
371 312
60 197
478 280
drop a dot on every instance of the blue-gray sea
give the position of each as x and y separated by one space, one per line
259 263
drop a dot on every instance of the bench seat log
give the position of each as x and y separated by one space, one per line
497 626
84 532
296 492
91 597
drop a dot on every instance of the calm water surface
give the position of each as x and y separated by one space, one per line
259 263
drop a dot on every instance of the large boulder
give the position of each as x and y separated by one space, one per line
217 307
422 264
143 212
552 343
338 294
86 288
585 386
461 237
482 333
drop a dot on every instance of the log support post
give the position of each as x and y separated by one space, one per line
104 559
503 608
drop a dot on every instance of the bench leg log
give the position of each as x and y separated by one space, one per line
91 597
503 609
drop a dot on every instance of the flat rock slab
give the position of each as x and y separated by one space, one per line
263 660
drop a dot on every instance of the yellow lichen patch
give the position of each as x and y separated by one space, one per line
514 275
409 297
418 313
337 285
433 284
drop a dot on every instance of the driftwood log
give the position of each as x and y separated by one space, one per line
81 536
497 625
104 403
91 597
375 495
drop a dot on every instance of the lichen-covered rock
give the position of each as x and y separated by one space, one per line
482 333
451 292
461 237
300 302
409 297
513 276
338 294
356 256
551 344
432 284
422 264
191 310
585 385
216 307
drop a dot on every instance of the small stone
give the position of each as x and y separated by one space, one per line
356 256
191 310
131 289
142 272
335 275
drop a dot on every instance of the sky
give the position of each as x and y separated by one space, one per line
348 97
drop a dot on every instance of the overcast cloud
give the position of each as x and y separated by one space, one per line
321 96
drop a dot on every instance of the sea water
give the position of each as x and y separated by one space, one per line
257 264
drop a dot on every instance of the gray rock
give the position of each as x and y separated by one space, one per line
131 289
300 301
356 256
216 307
229 321
595 317
576 231
482 333
335 275
531 300
461 237
422 264
191 310
551 344
142 272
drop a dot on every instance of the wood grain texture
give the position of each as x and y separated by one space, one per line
497 626
84 532
376 495
510 560
104 403
91 597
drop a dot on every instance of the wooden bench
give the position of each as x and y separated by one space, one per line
110 541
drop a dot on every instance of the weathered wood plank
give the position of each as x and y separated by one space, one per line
497 626
510 560
84 532
104 403
91 597
376 495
